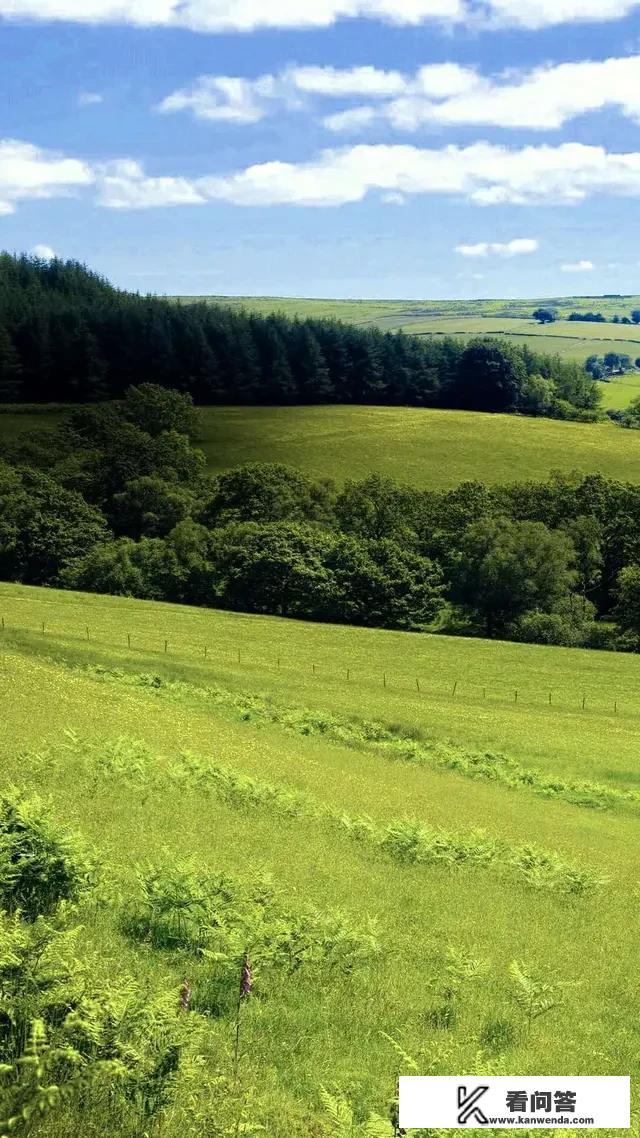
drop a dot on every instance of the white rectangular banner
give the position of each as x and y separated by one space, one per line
507 1101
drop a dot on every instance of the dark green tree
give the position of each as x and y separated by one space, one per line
490 377
505 569
155 409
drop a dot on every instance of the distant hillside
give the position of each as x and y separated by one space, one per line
66 335
372 311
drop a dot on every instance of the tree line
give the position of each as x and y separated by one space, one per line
117 500
550 315
66 335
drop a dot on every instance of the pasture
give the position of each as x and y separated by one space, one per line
285 766
371 311
422 447
425 448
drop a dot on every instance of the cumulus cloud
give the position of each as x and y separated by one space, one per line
27 171
446 94
578 267
247 15
483 173
518 247
44 252
123 184
224 98
543 99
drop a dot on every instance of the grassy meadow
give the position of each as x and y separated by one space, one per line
287 760
422 447
370 311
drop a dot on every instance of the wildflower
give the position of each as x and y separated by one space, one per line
185 997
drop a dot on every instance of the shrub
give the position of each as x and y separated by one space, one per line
40 865
547 628
498 1034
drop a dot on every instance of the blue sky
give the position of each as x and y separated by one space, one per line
397 148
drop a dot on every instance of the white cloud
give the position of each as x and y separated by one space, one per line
520 246
479 250
89 99
355 81
248 15
27 171
223 98
543 99
44 252
483 173
124 185
446 94
578 267
393 198
352 120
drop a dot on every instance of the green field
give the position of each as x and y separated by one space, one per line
424 448
272 703
565 338
371 311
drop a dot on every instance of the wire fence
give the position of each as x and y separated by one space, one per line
524 696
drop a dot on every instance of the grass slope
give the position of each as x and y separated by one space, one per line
370 311
425 448
315 1027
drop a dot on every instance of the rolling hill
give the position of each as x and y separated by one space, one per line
425 448
305 756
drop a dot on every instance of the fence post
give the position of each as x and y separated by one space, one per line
348 673
615 707
128 640
418 684
3 624
384 679
87 630
205 651
455 687
516 697
484 693
314 669
43 628
584 700
549 699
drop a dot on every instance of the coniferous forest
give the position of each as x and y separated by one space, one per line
67 335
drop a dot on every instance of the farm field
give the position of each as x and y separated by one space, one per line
299 733
565 338
422 447
369 311
425 448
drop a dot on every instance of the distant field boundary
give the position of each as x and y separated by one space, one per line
532 335
163 650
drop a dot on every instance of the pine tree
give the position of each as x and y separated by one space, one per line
10 370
